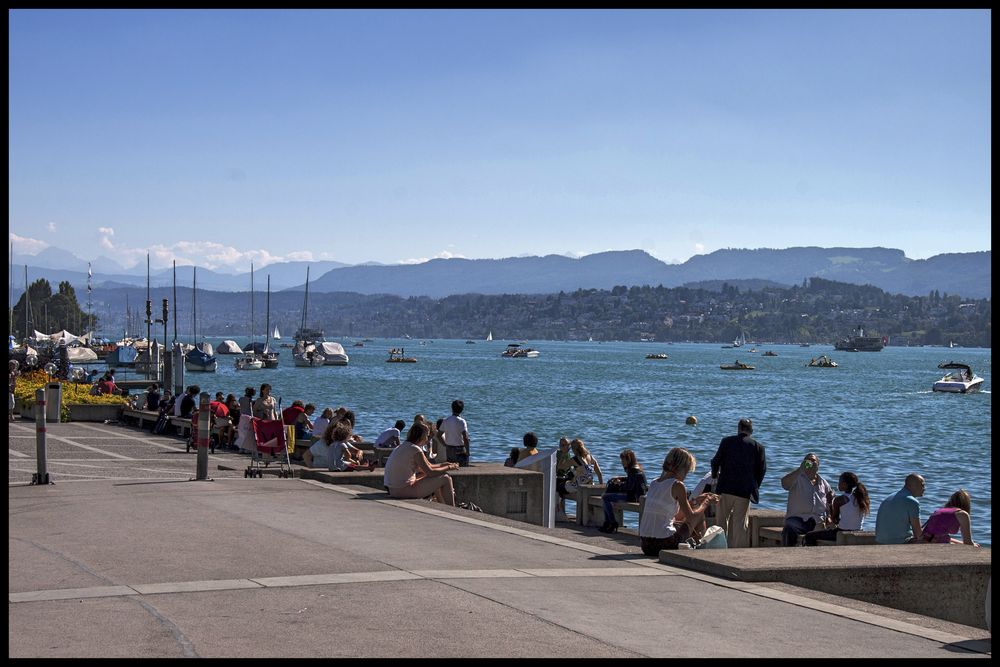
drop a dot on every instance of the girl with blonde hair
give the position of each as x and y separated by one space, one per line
668 517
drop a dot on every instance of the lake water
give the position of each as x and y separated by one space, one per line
875 415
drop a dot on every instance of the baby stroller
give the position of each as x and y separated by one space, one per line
267 446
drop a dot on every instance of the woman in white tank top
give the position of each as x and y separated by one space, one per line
668 517
849 510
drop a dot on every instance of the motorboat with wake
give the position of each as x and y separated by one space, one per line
515 351
657 356
822 361
958 380
738 366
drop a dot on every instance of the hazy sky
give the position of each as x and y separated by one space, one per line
221 137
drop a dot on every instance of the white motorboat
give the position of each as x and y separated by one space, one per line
249 362
333 352
959 380
515 351
308 358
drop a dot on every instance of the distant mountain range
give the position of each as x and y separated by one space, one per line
965 274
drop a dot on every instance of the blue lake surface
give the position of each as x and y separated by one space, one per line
875 415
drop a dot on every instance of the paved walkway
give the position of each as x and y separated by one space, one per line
128 559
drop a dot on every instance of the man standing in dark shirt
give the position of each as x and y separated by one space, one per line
739 465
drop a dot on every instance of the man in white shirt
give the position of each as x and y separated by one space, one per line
455 432
390 436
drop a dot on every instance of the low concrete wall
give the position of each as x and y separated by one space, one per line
84 412
80 412
942 581
501 491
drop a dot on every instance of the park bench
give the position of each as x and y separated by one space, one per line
139 416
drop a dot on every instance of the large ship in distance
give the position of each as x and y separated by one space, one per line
859 342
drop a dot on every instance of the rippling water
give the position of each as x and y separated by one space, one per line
875 414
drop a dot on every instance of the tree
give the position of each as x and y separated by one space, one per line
62 309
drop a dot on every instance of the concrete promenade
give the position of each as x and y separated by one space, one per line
123 557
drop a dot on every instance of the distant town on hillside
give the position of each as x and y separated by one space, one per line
815 311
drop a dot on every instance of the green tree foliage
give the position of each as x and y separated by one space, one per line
50 312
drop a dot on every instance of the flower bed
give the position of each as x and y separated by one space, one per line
74 393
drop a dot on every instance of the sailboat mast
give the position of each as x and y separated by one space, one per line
27 302
305 303
267 318
251 304
194 304
175 301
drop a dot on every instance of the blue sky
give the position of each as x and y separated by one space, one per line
221 137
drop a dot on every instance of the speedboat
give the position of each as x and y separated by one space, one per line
959 380
822 361
738 366
515 351
656 356
769 353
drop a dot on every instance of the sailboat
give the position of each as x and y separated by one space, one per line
275 335
269 356
202 357
250 361
489 336
305 353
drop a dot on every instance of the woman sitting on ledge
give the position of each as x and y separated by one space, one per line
409 473
668 517
953 518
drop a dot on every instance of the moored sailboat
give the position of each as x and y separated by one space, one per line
202 358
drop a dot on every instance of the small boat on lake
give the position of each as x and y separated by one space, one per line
822 361
308 358
656 356
738 366
249 362
515 351
769 353
397 355
959 380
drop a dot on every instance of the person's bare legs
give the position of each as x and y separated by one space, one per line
438 485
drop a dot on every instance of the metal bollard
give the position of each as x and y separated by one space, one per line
203 436
42 476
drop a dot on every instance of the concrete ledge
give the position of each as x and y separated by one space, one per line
92 412
943 581
501 491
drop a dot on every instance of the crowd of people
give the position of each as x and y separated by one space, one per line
671 516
